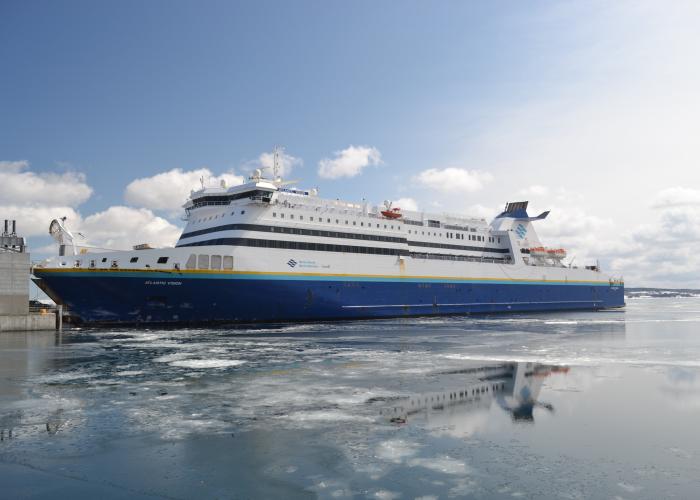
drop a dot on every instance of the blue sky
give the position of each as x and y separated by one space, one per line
140 87
576 105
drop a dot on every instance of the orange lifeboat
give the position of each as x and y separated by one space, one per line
556 253
392 213
538 252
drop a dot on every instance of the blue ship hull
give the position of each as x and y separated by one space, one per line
174 298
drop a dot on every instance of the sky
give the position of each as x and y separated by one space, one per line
111 112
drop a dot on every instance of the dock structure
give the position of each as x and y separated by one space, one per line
15 313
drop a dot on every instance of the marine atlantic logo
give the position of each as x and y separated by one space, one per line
291 262
521 231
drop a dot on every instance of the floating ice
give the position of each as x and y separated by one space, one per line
207 363
396 450
443 464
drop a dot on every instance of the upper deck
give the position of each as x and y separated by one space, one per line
265 213
207 203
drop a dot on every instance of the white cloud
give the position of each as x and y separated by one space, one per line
611 122
117 227
535 191
665 251
452 179
406 204
33 220
13 166
122 227
19 186
585 236
677 196
285 162
481 212
169 190
34 199
349 162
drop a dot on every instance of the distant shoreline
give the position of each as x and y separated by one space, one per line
661 292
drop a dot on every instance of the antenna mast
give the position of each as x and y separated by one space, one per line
276 164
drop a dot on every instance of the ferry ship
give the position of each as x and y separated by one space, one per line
265 251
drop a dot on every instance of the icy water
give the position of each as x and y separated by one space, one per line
566 405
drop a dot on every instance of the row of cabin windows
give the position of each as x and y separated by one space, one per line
293 230
212 217
327 247
457 236
466 258
161 260
115 263
213 262
337 221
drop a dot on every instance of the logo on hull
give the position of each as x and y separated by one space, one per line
291 262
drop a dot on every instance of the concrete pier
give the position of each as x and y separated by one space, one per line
15 314
32 321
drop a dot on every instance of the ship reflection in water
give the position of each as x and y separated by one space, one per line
514 387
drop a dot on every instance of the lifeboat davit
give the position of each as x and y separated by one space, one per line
392 213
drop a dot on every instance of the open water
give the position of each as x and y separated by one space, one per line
565 405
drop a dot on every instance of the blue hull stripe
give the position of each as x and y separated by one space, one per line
142 297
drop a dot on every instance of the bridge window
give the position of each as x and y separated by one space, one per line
162 260
191 262
203 261
228 262
216 262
